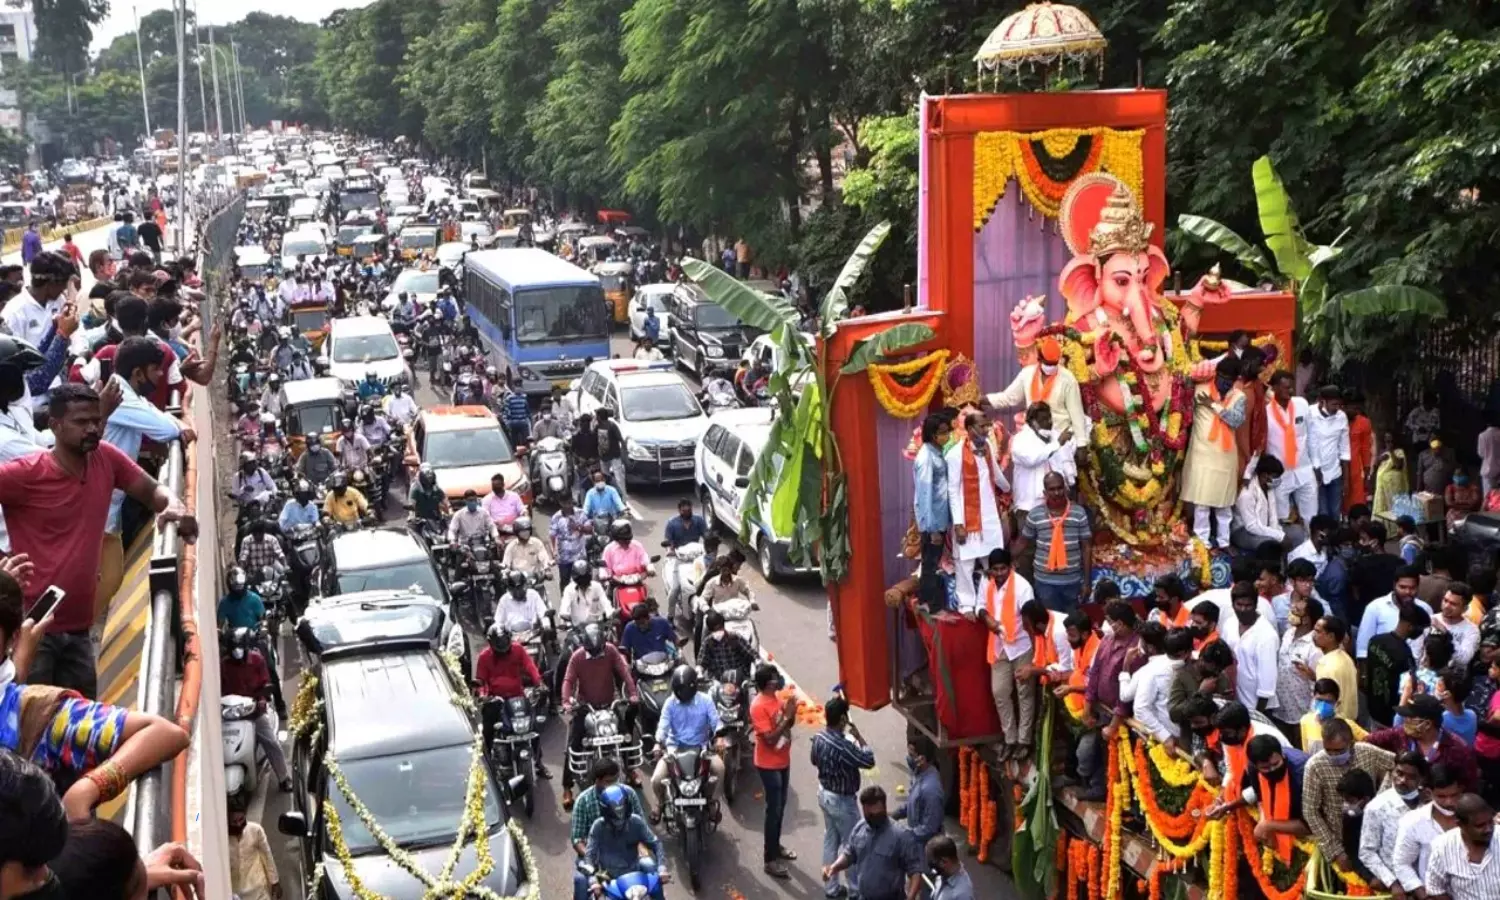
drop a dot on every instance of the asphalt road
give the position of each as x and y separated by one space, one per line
793 628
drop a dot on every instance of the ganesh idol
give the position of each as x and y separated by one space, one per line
1126 345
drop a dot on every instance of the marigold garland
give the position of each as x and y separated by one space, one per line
907 401
1000 156
1116 798
1173 770
1198 552
1190 824
988 812
1246 834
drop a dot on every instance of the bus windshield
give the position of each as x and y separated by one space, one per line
547 315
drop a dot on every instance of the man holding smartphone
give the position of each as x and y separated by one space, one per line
56 506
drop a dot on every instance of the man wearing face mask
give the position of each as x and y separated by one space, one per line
243 672
1422 729
1383 814
1256 651
1210 479
472 522
1047 381
953 882
252 867
886 858
1035 451
1288 440
1321 803
1255 521
1274 781
1417 831
1465 864
923 809
974 478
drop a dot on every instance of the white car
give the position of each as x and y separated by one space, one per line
310 245
421 284
472 229
658 414
731 445
451 254
359 344
656 296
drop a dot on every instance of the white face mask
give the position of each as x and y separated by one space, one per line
1048 370
1440 809
718 635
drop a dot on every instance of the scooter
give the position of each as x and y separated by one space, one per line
551 470
243 756
734 728
680 574
646 882
653 678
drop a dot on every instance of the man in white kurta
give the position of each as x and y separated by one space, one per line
1210 479
1047 381
1287 440
1036 450
973 471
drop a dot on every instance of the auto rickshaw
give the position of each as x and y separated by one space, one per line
253 262
515 218
369 246
311 319
614 278
348 233
313 405
595 249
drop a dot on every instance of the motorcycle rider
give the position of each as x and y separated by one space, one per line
270 396
448 309
625 555
317 462
401 407
528 553
685 528
353 448
546 424
568 529
647 633
247 426
583 600
429 503
404 316
722 651
301 369
261 549
596 673
373 426
243 672
520 607
647 351
688 720
503 506
344 504
614 843
602 499
252 482
240 607
371 388
300 510
471 522
504 670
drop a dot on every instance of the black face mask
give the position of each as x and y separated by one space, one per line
1204 732
1275 775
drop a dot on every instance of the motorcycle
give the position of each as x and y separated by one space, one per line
727 694
306 558
512 749
467 391
736 612
643 884
477 570
243 756
683 570
692 807
551 470
653 678
603 737
719 395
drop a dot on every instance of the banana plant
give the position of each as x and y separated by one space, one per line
1338 321
798 479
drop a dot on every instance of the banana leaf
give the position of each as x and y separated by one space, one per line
892 340
1386 300
1278 222
750 306
1033 850
1223 237
836 301
801 450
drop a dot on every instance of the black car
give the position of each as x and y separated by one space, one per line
704 334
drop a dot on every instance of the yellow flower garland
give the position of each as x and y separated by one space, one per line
305 715
1173 770
1198 552
998 159
905 408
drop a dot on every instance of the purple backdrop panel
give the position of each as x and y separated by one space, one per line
1017 253
897 487
923 186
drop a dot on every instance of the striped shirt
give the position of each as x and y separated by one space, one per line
1451 872
838 759
1076 532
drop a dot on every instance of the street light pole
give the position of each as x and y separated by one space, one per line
198 49
179 7
239 81
140 58
213 61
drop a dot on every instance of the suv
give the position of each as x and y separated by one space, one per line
704 334
374 654
730 447
658 414
357 344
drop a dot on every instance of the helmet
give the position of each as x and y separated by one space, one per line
237 580
338 480
426 476
522 523
358 478
492 373
367 413
273 379
593 640
516 579
499 638
582 574
312 440
614 806
370 375
684 683
302 490
284 332
267 420
621 531
247 458
238 642
346 424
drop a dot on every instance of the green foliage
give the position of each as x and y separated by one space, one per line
13 147
887 343
63 31
836 301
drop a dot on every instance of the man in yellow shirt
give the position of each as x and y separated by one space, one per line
252 868
1326 693
344 504
1329 634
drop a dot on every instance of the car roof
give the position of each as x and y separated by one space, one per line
356 325
661 287
637 371
373 547
312 390
596 240
417 229
458 418
360 693
751 425
614 268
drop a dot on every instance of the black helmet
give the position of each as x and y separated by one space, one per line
582 572
313 440
247 458
236 579
338 480
238 642
347 424
499 638
684 683
302 490
620 530
367 413
516 579
593 640
18 353
427 476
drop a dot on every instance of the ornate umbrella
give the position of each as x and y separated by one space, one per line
1042 33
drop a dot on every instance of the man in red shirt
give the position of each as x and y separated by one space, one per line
772 719
503 670
596 673
56 504
243 672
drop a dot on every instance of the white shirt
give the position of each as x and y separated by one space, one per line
402 408
1257 652
1328 441
1303 473
1307 551
1377 837
992 536
1255 513
1451 872
1153 690
1021 647
521 615
1033 457
581 607
28 319
1058 633
1381 617
1465 637
1414 836
1489 452
1229 626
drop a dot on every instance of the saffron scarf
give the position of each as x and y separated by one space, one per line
1234 768
1010 629
1276 803
1044 650
1219 433
1181 620
973 519
1288 425
1041 388
1080 675
1204 641
1057 552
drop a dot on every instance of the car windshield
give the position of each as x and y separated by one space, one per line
546 315
348 233
612 282
418 575
417 798
416 282
482 229
310 319
712 315
360 347
451 253
419 239
302 247
467 447
319 419
658 402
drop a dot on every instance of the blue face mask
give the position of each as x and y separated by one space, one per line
1324 709
472 505
1460 479
1341 759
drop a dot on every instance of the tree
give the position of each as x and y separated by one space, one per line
447 73
519 59
13 147
63 31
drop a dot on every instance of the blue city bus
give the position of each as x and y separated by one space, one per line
541 314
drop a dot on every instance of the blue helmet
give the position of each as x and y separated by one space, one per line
614 805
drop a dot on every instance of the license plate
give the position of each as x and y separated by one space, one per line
605 741
681 464
691 801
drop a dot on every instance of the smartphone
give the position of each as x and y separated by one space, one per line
47 602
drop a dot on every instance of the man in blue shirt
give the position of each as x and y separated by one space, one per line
240 607
615 840
301 509
689 719
517 415
371 388
447 306
687 528
931 505
602 499
651 327
647 633
887 861
923 809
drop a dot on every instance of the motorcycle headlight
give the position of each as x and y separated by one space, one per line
521 724
689 787
713 352
637 450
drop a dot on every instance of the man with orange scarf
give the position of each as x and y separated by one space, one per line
1287 440
1272 779
1064 566
1047 381
974 483
1009 649
1211 476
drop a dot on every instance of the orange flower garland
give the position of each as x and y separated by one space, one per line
902 400
1043 184
1094 859
1178 826
1246 833
1078 867
1162 868
987 812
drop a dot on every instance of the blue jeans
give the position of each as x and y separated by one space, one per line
840 815
777 783
1331 498
1062 598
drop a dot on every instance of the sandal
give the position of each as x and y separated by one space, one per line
786 854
